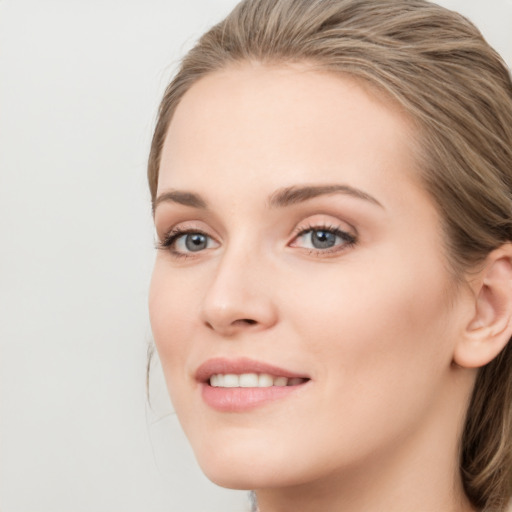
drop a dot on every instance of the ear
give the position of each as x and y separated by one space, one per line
490 328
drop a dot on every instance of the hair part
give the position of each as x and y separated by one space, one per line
437 68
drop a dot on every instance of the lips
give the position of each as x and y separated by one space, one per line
239 385
221 366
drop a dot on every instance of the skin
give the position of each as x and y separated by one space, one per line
374 324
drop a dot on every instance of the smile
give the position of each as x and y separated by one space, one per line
238 385
252 380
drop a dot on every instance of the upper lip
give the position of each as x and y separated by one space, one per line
239 366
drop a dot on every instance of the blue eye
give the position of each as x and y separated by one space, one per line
324 239
192 242
182 243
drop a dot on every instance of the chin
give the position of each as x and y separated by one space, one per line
246 478
232 479
247 469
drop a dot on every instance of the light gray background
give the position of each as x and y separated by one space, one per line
79 86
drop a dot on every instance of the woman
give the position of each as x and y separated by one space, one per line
332 301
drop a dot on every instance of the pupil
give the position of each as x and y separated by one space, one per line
323 239
195 242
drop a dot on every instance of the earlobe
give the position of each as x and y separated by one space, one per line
490 329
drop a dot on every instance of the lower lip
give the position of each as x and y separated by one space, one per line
243 399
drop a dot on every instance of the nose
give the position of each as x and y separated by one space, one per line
239 297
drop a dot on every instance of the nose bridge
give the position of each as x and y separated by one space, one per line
239 295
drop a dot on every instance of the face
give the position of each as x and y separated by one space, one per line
301 257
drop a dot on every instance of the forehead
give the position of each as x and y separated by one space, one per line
259 125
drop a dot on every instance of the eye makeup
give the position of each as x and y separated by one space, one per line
185 242
323 239
318 239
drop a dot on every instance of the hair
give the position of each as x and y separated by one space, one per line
437 68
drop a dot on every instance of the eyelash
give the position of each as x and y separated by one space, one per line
170 239
349 240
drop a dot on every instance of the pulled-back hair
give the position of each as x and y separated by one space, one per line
437 68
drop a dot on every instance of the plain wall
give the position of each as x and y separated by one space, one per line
80 82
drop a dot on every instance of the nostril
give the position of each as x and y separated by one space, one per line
240 323
247 321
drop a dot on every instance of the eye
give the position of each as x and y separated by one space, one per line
192 242
183 242
323 239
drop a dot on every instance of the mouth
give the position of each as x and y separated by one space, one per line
253 380
243 384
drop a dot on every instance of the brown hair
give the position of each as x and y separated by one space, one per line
437 67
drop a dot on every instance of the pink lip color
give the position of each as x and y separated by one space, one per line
242 399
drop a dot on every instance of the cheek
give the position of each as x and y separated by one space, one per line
380 345
375 301
382 330
172 318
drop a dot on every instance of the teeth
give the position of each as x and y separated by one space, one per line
251 380
265 380
280 381
248 380
231 381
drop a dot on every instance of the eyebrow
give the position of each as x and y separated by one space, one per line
181 197
297 194
279 199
